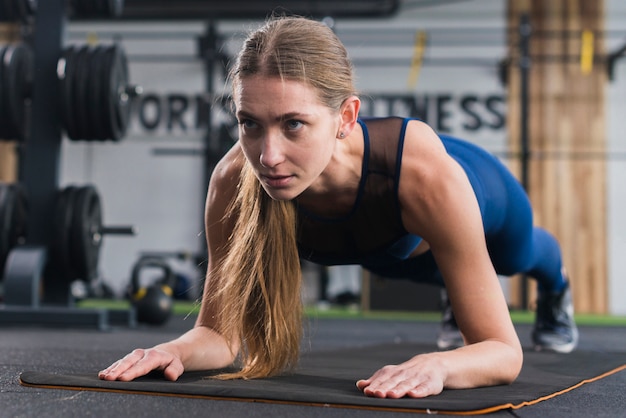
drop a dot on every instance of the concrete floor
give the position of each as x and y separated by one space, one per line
79 351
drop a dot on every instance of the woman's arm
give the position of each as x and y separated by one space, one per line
438 204
201 348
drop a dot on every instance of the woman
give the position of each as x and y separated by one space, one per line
309 179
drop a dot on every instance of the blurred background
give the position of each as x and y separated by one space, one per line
540 84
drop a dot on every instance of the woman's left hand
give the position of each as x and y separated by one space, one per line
421 376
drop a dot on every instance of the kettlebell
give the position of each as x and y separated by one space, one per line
153 303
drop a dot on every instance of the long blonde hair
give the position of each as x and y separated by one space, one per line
260 278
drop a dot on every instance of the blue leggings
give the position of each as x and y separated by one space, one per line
514 244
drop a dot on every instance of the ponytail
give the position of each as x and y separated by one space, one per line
260 283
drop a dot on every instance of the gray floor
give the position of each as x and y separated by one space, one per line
79 351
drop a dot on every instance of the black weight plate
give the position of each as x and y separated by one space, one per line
25 79
87 7
8 14
107 94
14 10
18 75
22 10
79 89
78 6
8 92
3 117
120 99
115 8
60 251
4 14
65 74
72 73
102 8
104 116
86 94
86 232
31 6
95 93
7 127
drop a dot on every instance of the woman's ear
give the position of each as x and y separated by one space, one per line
349 114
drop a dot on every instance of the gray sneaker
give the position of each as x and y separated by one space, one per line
449 336
555 329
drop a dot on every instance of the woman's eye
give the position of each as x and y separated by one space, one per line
247 124
294 124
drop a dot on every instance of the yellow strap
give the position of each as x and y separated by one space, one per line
418 56
586 52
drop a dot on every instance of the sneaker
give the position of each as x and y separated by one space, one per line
555 329
449 336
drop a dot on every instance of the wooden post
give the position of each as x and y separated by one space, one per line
567 167
8 155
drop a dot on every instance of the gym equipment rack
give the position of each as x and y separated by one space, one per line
35 293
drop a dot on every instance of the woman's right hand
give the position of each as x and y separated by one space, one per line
141 362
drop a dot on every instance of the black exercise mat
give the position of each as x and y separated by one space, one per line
328 379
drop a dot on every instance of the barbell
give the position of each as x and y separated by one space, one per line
78 231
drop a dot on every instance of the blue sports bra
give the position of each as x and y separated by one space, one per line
371 234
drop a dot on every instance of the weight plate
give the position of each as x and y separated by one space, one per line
115 7
86 238
18 77
78 6
65 74
32 6
102 8
107 105
79 90
120 101
21 8
76 100
8 14
95 93
88 7
7 92
3 117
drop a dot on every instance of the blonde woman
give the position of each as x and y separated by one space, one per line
308 178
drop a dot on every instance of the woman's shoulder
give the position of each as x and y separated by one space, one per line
421 143
229 166
225 177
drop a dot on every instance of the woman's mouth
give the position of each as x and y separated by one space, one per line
276 181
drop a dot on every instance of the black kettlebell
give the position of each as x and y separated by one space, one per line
153 303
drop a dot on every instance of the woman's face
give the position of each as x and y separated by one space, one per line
287 134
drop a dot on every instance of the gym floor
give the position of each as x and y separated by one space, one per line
79 351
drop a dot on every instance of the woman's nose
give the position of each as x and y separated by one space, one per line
272 153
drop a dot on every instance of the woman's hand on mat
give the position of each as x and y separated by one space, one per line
417 378
141 362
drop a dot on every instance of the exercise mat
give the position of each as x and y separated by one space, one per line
328 379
